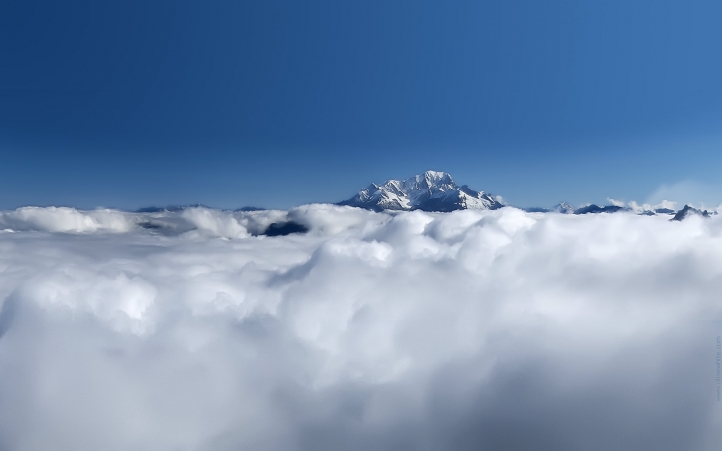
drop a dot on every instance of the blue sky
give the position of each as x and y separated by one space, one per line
278 103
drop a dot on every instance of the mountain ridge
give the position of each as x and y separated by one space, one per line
430 191
436 191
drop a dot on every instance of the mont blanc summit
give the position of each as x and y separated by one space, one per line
430 191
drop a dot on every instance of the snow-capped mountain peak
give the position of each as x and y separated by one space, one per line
430 191
563 207
437 191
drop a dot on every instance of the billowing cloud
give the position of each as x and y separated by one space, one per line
700 195
616 203
498 330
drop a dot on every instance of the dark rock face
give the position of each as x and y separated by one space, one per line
688 211
285 228
536 210
597 209
664 211
150 225
171 208
250 209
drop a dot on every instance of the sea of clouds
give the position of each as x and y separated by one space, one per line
471 330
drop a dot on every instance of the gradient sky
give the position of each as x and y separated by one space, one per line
277 103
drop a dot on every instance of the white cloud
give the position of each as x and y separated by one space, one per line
617 203
697 194
465 330
64 219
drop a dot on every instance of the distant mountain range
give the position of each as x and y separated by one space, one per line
176 208
437 191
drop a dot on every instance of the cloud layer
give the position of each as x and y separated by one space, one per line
498 330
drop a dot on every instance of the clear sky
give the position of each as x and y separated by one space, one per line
277 103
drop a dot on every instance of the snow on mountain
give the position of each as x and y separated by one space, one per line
563 207
430 191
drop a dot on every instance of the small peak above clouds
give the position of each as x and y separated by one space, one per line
593 208
563 207
688 211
